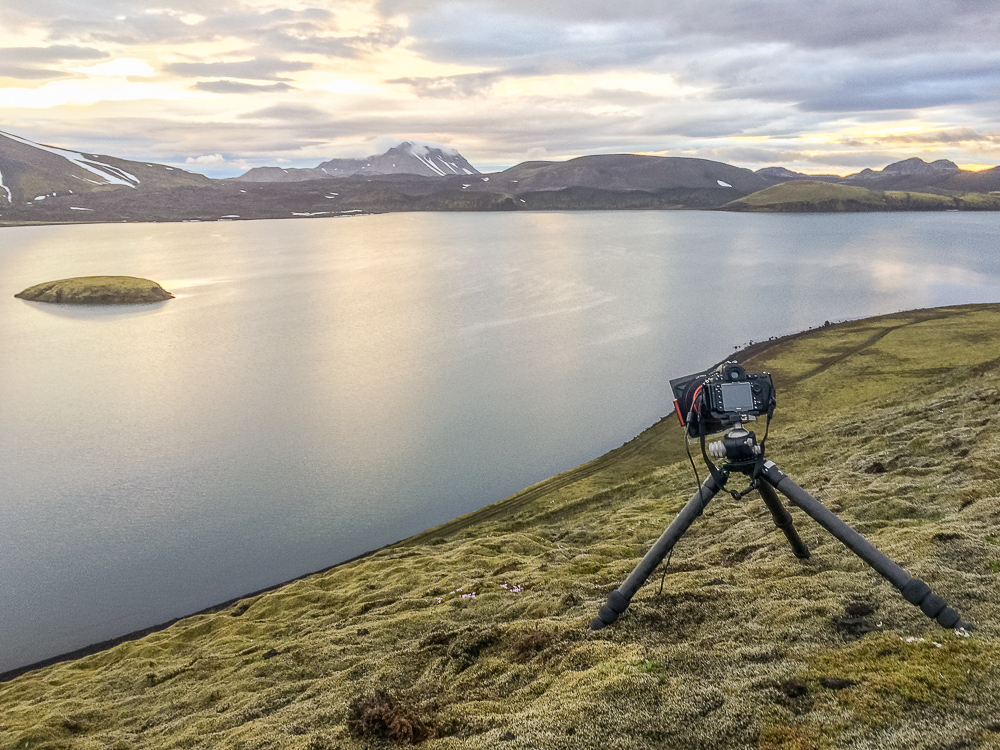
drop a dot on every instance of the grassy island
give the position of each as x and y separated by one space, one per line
97 290
475 634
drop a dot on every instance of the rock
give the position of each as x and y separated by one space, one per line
97 290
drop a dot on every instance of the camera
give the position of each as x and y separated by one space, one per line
721 397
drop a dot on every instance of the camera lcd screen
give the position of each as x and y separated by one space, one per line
737 397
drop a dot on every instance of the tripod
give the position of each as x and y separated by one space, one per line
745 456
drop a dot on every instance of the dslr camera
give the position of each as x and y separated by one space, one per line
725 396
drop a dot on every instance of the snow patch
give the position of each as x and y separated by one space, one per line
723 184
110 175
425 159
10 197
79 208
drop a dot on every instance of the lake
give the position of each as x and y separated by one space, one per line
322 387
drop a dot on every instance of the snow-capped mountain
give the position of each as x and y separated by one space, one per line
32 172
406 158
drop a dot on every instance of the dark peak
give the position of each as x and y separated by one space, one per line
780 172
916 165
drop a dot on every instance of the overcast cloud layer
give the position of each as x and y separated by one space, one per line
220 87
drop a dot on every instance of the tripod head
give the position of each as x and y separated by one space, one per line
739 450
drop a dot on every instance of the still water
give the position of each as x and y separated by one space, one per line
322 387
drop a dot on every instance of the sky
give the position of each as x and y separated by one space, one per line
220 86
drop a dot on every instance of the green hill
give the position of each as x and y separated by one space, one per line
800 196
474 635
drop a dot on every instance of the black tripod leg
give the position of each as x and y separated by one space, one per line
783 520
914 590
620 598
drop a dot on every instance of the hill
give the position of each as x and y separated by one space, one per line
629 172
31 173
474 634
802 196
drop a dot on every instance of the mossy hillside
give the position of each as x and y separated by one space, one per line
97 290
812 195
891 422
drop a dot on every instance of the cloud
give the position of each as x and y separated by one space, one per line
452 87
260 68
850 55
845 23
237 87
288 112
36 63
957 135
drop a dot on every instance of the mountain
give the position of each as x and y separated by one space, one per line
915 174
620 172
907 168
407 158
32 172
781 174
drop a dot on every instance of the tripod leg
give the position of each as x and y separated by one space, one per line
783 520
914 590
620 598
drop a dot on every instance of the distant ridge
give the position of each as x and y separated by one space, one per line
48 184
941 176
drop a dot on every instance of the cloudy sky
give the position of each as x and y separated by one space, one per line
219 86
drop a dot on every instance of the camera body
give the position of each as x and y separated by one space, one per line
722 397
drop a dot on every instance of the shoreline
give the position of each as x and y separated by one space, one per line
529 493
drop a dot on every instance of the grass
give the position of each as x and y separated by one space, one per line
474 634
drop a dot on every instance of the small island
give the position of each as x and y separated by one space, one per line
97 290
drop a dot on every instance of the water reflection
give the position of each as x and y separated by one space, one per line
96 312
